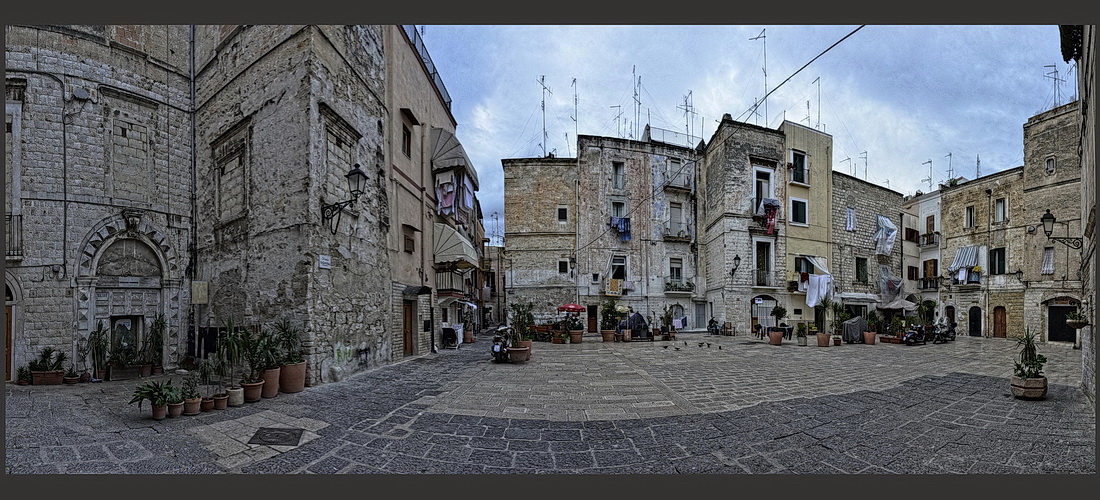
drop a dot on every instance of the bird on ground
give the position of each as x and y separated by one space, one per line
685 342
701 344
719 348
677 348
665 346
708 345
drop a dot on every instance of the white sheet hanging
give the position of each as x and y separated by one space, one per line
816 264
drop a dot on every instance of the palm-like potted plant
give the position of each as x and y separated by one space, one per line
71 377
158 393
292 373
1076 320
155 344
522 321
192 399
98 346
775 335
257 348
48 369
823 335
23 375
1028 381
270 357
212 372
231 348
175 401
872 327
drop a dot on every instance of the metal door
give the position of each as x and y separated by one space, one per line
1000 326
974 326
1057 330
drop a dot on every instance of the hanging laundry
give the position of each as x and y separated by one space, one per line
803 277
770 213
850 224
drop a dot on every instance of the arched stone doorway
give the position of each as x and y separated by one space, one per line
127 276
949 314
760 310
10 301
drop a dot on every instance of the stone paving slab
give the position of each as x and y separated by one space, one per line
601 408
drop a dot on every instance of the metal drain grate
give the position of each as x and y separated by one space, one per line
277 436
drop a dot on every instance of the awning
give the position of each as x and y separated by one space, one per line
900 304
417 290
450 246
448 153
857 297
964 257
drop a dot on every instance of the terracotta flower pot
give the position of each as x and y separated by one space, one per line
146 370
517 354
70 380
529 344
608 335
252 391
836 340
49 377
207 404
221 401
191 406
775 337
292 378
869 338
575 336
160 411
271 383
822 339
175 410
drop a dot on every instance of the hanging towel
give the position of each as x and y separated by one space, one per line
803 277
963 274
850 225
812 289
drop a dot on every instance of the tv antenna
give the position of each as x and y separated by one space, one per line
756 110
545 89
818 82
637 101
764 38
1057 84
864 156
978 167
689 114
807 113
849 160
576 124
950 170
929 179
618 129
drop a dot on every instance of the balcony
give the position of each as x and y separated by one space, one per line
678 182
972 278
929 239
932 283
677 231
800 175
679 286
14 225
768 278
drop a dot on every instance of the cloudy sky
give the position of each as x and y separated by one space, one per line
899 95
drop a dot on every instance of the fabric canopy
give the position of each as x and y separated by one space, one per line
448 153
901 304
450 246
964 257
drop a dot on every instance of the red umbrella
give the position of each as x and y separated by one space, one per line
571 308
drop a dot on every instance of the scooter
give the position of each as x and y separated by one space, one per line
499 349
915 336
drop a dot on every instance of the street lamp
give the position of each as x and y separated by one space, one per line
1048 227
736 264
330 214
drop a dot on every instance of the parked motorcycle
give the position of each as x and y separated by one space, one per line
942 334
499 349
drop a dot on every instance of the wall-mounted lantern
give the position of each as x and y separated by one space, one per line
1048 227
330 214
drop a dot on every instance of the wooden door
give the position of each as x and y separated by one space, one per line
408 326
1000 327
7 330
593 319
974 323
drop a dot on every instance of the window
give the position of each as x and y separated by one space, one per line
676 269
931 268
563 214
861 270
231 160
406 141
913 273
563 266
802 265
798 211
675 218
595 277
618 209
930 224
999 207
997 261
618 267
676 177
1048 260
410 244
618 176
968 217
798 171
912 235
1050 165
762 188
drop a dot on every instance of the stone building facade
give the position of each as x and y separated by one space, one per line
926 207
98 194
1079 44
859 263
187 168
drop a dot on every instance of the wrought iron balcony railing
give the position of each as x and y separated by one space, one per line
14 226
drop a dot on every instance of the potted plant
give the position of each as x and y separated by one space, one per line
823 336
521 334
872 327
231 347
47 369
800 334
212 372
71 376
575 328
192 399
175 401
1028 381
292 372
155 344
157 393
98 342
1076 320
257 352
775 335
270 358
23 375
609 319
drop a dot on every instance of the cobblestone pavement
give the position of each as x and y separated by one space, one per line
737 405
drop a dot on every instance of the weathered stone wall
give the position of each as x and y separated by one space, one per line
869 201
278 90
1086 85
76 174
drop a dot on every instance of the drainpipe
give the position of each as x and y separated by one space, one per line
192 267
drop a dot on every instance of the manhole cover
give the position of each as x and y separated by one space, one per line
276 436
